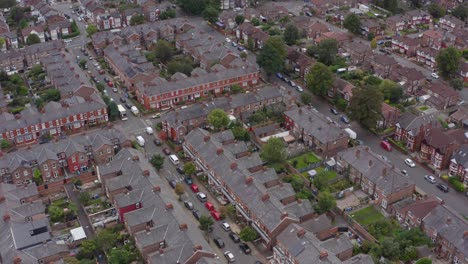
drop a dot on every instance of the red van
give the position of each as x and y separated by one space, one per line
386 145
210 206
216 215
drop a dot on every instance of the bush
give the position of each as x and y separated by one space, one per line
456 184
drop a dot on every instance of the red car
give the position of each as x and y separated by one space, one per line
210 206
386 145
194 188
166 151
216 215
101 71
110 84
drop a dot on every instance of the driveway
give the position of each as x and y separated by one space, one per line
74 196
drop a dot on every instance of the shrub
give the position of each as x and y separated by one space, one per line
456 184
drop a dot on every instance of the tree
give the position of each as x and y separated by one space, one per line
228 211
391 91
157 161
100 87
417 3
218 118
448 61
37 177
239 19
88 247
120 256
163 51
436 10
326 202
180 64
33 39
137 20
365 106
306 98
85 198
273 151
456 83
250 44
353 23
206 223
373 43
243 55
248 234
319 79
7 3
325 51
390 248
194 7
167 14
189 168
211 14
391 5
321 180
461 12
179 189
291 34
240 133
2 42
82 63
91 29
4 144
271 57
106 239
255 21
371 36
113 111
424 261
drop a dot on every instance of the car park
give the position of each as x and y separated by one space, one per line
234 237
201 197
334 111
188 205
197 214
229 256
410 163
430 178
225 226
245 248
166 151
443 187
219 242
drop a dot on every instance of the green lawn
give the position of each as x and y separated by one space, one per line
367 216
304 160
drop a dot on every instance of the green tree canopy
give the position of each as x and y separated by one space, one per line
2 42
365 106
91 29
373 43
319 79
32 39
163 51
274 151
448 61
353 23
271 57
325 51
137 19
239 19
248 234
189 168
326 202
211 14
106 239
291 34
179 188
436 10
195 7
114 113
424 261
255 21
121 256
206 223
391 91
157 161
461 12
306 98
180 64
4 144
7 3
218 118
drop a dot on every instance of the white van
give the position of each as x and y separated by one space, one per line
174 159
140 141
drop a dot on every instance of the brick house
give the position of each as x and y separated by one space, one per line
450 23
324 138
382 64
397 22
418 17
405 45
299 61
432 39
459 164
442 95
448 232
247 31
438 146
342 89
371 26
411 129
385 184
37 30
427 56
358 51
410 78
410 213
390 116
459 117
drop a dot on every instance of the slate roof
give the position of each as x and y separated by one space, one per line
338 245
359 259
412 123
46 250
318 224
372 167
461 156
315 124
449 226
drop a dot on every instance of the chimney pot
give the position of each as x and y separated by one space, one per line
449 220
146 173
6 217
248 180
17 260
169 206
233 166
219 151
300 233
370 163
265 197
206 138
135 158
358 152
465 235
323 254
183 226
2 199
147 228
157 188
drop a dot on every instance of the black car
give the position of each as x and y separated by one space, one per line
106 79
334 111
123 100
219 242
234 237
443 187
180 170
129 106
188 180
245 248
196 214
345 119
173 183
157 142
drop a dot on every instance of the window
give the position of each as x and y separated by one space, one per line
73 159
100 152
17 175
46 168
25 173
54 165
137 205
109 150
81 157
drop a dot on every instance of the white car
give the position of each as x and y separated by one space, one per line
435 75
410 163
226 227
430 178
149 130
299 89
228 40
229 256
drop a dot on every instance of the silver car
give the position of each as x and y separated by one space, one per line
430 178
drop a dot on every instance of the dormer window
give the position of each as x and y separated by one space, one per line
162 244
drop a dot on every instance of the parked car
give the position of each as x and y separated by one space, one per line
443 187
404 172
210 206
195 189
225 226
245 248
106 79
110 84
216 216
234 237
129 106
228 40
299 89
434 75
219 242
123 100
334 111
173 183
149 130
197 214
188 205
157 142
279 75
188 180
201 197
166 151
430 178
180 170
229 256
345 119
386 145
410 163
234 44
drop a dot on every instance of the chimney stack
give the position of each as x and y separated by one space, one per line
146 173
323 254
169 206
219 151
465 235
300 233
449 220
135 158
197 247
157 188
233 166
6 217
206 138
370 163
147 228
265 197
183 226
248 180
17 260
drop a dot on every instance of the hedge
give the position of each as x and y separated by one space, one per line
456 184
72 35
